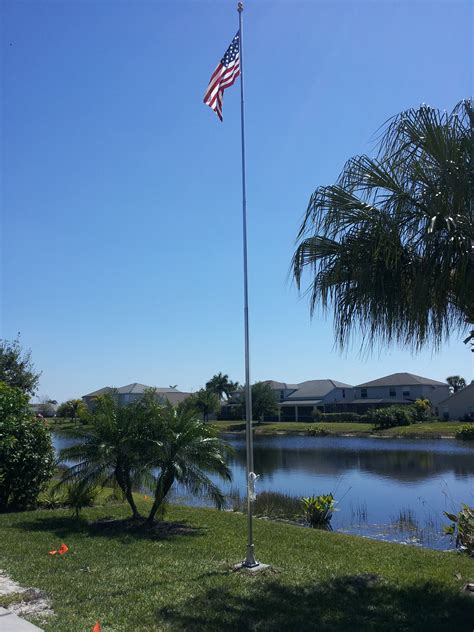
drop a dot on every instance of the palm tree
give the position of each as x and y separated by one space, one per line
205 402
456 382
220 385
390 245
186 450
112 451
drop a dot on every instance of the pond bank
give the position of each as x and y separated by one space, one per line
428 430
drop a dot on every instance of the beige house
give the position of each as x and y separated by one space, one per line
460 405
133 392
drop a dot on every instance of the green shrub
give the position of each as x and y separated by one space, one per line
318 510
317 432
462 529
421 410
465 432
52 498
336 417
26 452
80 495
393 416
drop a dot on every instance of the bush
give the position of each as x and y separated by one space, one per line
317 432
465 432
26 452
462 529
421 410
80 495
318 510
336 417
51 498
393 416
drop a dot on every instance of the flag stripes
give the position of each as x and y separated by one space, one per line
223 77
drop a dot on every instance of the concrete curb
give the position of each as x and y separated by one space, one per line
9 622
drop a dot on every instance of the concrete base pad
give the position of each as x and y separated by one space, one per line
251 569
9 622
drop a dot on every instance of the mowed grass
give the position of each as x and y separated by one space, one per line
434 430
295 427
181 577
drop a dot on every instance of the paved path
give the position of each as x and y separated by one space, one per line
11 623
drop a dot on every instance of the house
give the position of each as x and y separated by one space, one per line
299 403
460 405
133 392
397 388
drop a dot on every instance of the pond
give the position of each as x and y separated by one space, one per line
391 489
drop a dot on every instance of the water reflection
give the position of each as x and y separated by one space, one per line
406 462
374 480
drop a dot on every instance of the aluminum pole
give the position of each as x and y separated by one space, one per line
250 561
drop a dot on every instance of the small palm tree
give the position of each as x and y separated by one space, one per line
390 246
112 451
186 450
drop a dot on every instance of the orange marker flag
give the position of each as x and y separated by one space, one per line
63 549
96 628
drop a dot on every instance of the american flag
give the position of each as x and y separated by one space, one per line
223 77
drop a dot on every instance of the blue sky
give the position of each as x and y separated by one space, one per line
121 193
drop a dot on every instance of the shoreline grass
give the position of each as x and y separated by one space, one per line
180 576
426 430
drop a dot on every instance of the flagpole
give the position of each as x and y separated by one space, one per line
250 561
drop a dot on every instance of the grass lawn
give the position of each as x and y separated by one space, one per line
435 429
181 577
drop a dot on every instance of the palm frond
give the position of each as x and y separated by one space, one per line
389 247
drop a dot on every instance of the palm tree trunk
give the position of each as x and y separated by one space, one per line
163 486
123 481
129 496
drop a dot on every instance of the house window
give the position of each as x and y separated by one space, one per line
363 392
343 392
393 392
406 393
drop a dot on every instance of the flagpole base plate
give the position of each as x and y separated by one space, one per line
256 568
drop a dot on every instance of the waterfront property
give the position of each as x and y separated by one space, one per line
133 392
460 405
397 388
299 402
